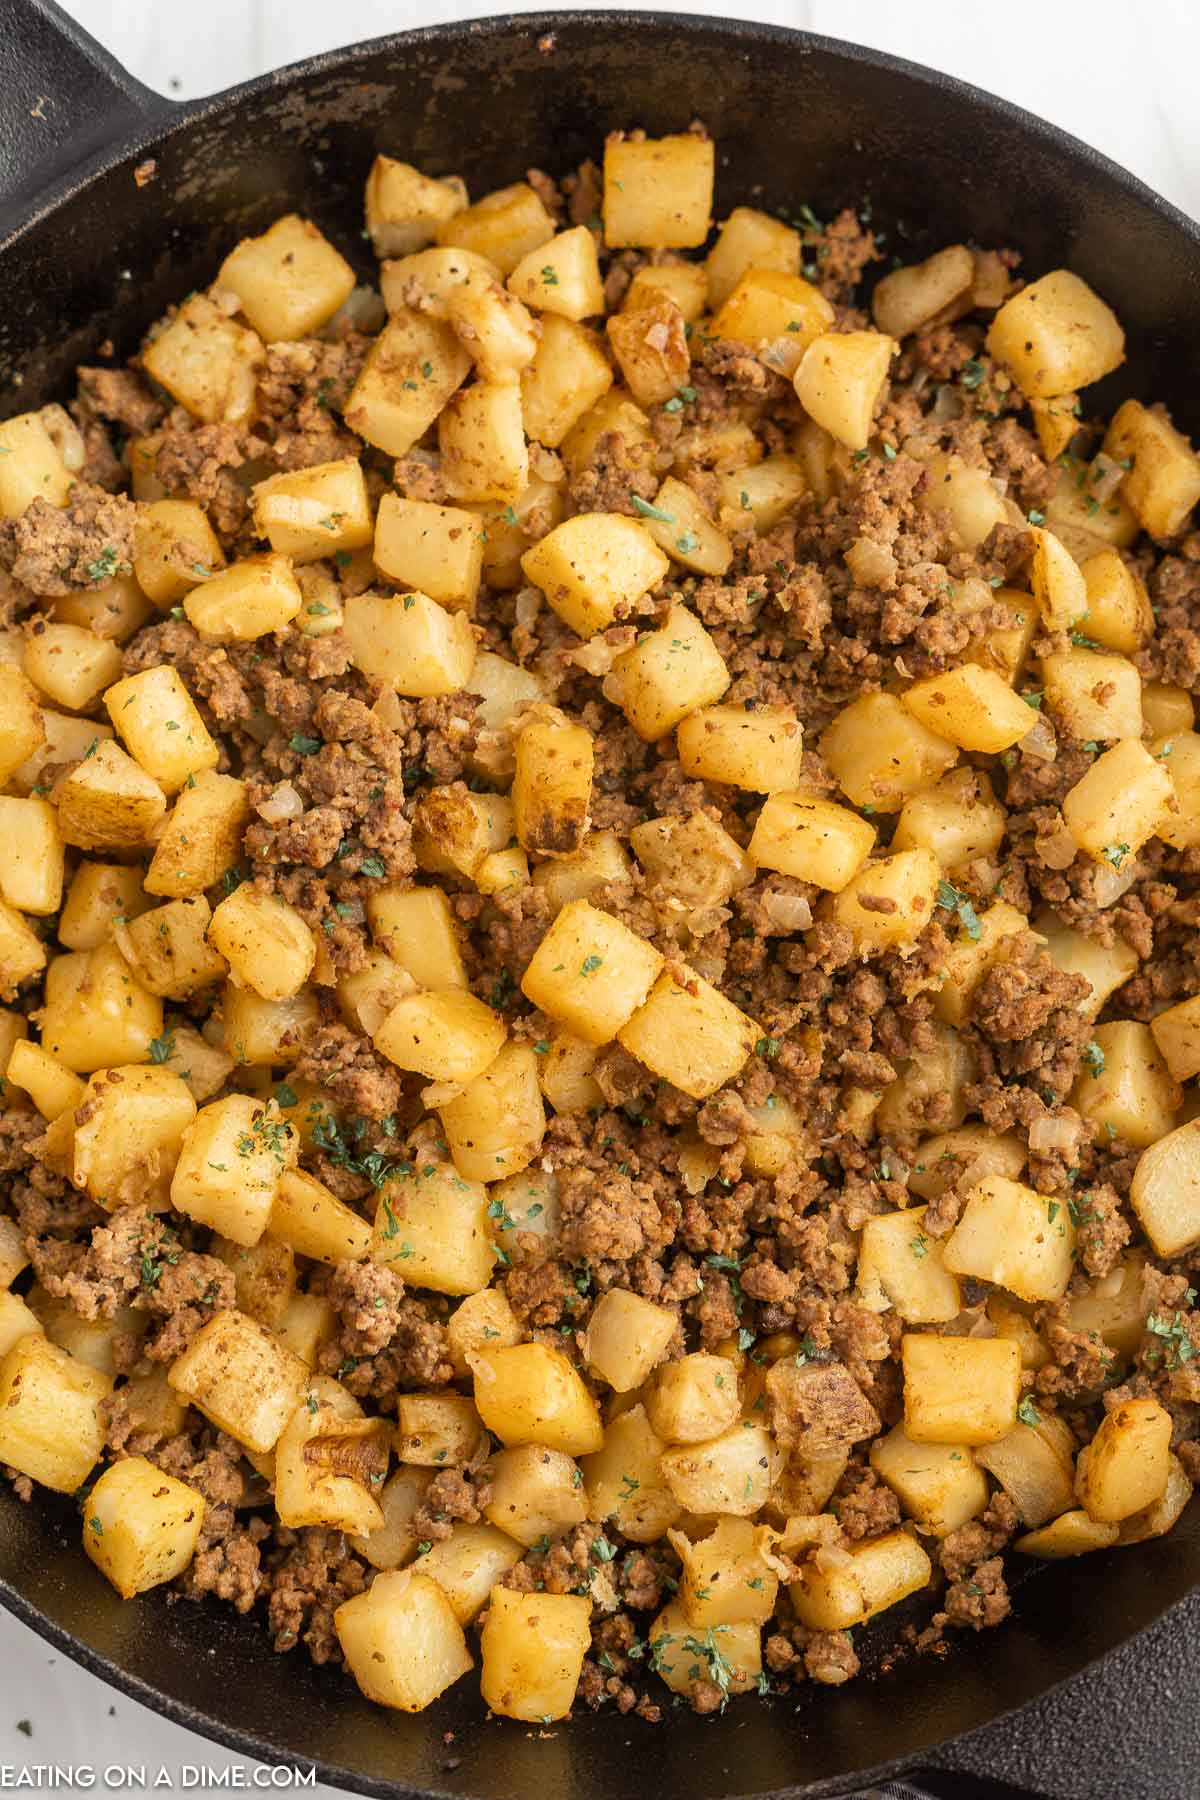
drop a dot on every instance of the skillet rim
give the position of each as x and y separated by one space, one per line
148 120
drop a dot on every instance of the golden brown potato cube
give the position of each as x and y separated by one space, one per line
404 207
128 1146
900 1265
881 1572
70 665
626 1337
433 1429
1158 1518
972 707
812 839
552 785
777 313
694 859
1077 519
504 226
734 1652
481 440
1163 484
1105 966
430 280
561 276
1091 696
230 1162
496 1125
565 1075
693 1399
319 511
913 296
410 643
107 802
141 1527
679 524
1056 422
167 949
1014 1237
241 1378
505 690
760 494
264 940
532 1394
431 1225
174 550
401 1640
600 859
1071 1534
958 819
533 1646
307 1325
13 1256
966 496
498 332
394 1542
1127 1464
31 878
1119 803
761 750
454 830
207 362
96 1013
686 283
290 281
1180 756
161 726
22 728
732 1474
729 1576
906 882
479 1319
17 1320
450 1036
50 1085
879 754
689 1033
51 1427
975 948
938 1485
1057 582
591 972
613 413
416 927
523 1204
468 1564
1056 335
536 1493
568 375
412 368
315 1222
651 350
327 1467
593 566
623 1479
1165 1191
31 466
257 1032
507 533
749 241
959 1390
436 549
264 1276
257 595
99 894
839 380
1119 614
1176 1032
657 191
201 838
1125 1088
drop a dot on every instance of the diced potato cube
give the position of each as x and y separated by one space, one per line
1158 1518
749 240
207 362
591 972
404 207
161 726
650 348
51 1426
468 1564
71 665
1127 1465
936 1079
264 940
481 439
230 1162
1105 966
201 838
626 1337
1125 1088
536 1493
811 839
686 532
504 226
96 1014
1071 1534
839 380
567 376
973 952
496 1125
900 1265
693 859
31 466
1119 614
913 296
401 1640
99 894
448 1036
938 1485
733 1473
552 784
498 332
410 643
308 1324
907 884
525 1204
958 819
671 672
775 309
879 754
882 1571
31 877
623 1479
1118 803
657 191
395 1541
565 1075
761 750
432 1226
505 690
1013 1236
967 496
13 1256
107 802
412 368
17 1320
1005 648
174 550
141 1527
761 493
959 1390
1073 514
593 566
614 413
257 595
327 1467
687 1032
532 1394
315 1222
416 927
432 280
533 1646
167 949
729 1576
972 707
290 280
1092 696
22 728
264 1276
1057 581
1180 756
693 1399
436 549
561 276
128 1145
1163 485
600 859
1177 1035
1056 335
51 1086
480 1319
681 1658
241 1378
322 510
258 1032
686 283
1165 1191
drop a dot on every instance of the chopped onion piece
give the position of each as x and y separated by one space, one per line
528 606
1109 884
1040 741
1053 1131
1057 848
283 802
787 912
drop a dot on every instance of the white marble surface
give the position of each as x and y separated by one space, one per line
1118 77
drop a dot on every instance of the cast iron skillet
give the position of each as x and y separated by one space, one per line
88 252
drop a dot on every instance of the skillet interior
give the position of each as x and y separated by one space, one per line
796 119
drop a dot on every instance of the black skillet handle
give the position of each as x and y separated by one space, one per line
62 98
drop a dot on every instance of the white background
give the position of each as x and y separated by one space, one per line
1119 76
